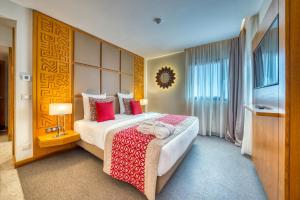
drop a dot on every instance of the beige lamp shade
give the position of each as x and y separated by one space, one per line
60 108
144 102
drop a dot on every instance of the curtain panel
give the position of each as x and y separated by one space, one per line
235 119
207 69
251 25
214 87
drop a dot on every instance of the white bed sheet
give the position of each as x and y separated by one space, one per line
94 133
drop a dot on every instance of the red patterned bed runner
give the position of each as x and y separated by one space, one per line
129 150
128 156
172 119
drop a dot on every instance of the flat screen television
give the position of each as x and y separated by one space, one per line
266 58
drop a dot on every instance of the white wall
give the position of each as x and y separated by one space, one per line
171 100
23 108
263 9
5 36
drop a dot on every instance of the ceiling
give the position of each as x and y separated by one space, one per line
129 23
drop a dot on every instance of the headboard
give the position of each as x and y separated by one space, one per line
66 63
100 67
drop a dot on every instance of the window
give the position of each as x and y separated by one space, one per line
211 80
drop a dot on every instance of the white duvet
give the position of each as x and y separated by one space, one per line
94 133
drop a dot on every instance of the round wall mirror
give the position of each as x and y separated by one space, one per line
165 77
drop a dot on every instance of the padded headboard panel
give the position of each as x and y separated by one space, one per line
100 67
110 82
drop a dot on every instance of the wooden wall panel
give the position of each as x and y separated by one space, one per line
293 94
138 77
283 176
52 74
265 152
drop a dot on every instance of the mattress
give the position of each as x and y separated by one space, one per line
94 133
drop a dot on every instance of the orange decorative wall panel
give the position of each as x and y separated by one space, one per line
138 77
52 74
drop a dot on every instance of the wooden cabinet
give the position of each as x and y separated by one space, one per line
266 152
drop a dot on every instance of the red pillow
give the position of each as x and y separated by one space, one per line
136 107
105 111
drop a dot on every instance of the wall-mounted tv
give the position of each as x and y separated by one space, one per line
266 58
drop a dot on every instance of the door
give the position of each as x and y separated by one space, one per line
2 95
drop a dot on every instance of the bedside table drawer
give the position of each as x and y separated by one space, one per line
50 140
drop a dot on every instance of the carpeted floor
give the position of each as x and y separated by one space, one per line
214 169
10 187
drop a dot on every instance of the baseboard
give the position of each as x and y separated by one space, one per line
32 159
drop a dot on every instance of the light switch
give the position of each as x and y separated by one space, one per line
25 77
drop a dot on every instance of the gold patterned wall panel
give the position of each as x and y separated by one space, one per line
53 72
138 77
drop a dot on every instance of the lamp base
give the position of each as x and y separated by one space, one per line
60 134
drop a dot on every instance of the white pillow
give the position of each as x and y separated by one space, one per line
86 103
120 97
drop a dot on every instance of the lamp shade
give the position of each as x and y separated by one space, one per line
60 108
144 102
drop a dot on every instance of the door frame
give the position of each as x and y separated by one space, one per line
11 94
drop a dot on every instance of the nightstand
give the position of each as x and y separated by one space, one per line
50 140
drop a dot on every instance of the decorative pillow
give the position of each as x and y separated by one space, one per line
86 104
127 106
93 101
136 107
120 97
105 111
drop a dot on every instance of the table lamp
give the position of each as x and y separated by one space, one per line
60 109
144 102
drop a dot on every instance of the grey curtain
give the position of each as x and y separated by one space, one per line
207 86
235 118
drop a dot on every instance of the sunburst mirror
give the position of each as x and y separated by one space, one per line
165 77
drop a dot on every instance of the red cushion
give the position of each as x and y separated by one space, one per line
105 111
136 107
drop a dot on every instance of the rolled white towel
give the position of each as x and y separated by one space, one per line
145 129
159 129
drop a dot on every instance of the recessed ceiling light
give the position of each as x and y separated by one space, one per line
157 20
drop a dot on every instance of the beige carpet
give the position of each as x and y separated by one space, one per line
214 169
10 187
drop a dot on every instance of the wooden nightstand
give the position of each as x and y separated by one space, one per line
50 140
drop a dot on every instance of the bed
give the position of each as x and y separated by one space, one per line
93 137
102 68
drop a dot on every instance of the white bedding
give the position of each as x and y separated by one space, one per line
94 133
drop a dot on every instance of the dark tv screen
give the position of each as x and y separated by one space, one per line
265 58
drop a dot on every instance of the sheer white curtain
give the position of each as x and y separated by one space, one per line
207 86
251 26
